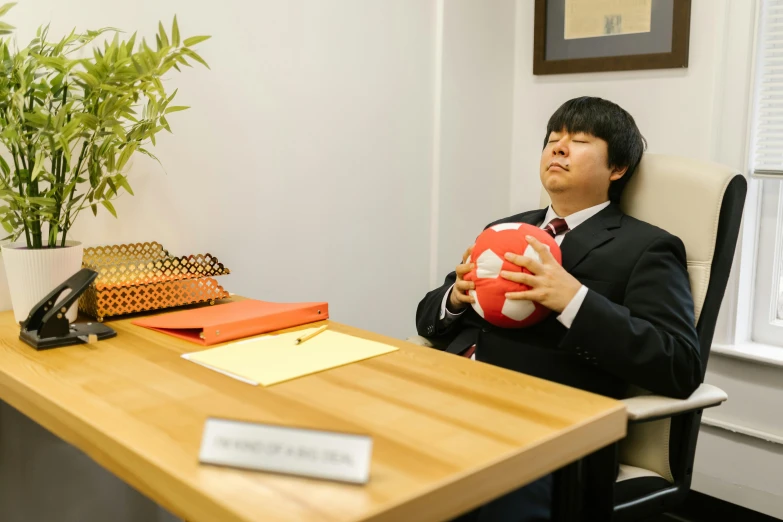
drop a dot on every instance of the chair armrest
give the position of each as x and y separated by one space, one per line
650 407
421 341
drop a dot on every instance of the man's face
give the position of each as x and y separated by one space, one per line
576 165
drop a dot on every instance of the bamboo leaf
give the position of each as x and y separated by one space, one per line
176 108
196 57
175 32
41 201
87 78
131 43
38 165
123 181
163 36
193 40
109 207
125 155
7 7
112 186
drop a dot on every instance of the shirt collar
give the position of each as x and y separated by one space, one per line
577 218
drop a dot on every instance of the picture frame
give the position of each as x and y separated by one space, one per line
663 45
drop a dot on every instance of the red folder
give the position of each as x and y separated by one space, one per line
225 322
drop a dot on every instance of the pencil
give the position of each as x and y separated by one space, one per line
302 339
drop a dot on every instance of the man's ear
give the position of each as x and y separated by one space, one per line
618 172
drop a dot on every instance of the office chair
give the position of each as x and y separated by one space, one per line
702 204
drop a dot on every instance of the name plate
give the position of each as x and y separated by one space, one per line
265 447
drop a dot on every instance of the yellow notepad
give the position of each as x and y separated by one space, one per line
271 359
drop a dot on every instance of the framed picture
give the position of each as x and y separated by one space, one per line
575 36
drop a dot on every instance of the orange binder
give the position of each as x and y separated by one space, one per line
226 322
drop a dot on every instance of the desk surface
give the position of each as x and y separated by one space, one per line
449 433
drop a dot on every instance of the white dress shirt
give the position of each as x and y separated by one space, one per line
568 314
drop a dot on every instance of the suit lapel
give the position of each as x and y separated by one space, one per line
534 217
589 235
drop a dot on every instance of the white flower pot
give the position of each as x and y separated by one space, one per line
33 273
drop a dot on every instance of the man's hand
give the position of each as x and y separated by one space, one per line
549 282
459 297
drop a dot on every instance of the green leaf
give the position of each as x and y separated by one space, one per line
125 155
176 108
175 32
165 123
163 36
4 166
137 64
123 181
94 208
196 57
38 165
193 40
109 207
41 201
130 44
88 78
7 7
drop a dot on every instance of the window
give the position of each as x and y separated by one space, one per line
767 166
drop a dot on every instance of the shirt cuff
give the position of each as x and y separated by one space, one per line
446 317
568 315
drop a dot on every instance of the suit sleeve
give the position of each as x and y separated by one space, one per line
428 323
650 340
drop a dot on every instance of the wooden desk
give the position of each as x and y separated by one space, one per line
449 433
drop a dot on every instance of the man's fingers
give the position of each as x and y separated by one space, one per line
519 277
467 253
525 262
527 295
464 298
543 250
464 286
464 269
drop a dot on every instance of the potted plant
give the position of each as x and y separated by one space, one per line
71 117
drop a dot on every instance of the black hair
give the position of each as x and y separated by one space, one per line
608 121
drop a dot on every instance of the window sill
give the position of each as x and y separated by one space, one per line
756 352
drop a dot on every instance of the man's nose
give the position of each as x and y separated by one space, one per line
560 148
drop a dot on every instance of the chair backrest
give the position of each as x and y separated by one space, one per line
701 203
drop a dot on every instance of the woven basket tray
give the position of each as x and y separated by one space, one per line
144 276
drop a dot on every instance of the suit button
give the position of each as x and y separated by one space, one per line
486 329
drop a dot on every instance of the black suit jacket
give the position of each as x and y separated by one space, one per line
636 325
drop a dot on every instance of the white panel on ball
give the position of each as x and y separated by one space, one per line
517 309
488 265
506 226
476 305
532 254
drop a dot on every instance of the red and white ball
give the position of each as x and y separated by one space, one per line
489 258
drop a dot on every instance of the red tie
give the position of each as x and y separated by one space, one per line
556 226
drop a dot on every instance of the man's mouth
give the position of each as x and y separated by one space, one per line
555 164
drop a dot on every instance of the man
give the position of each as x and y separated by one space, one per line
623 310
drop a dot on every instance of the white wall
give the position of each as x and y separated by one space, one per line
672 107
324 147
476 116
305 162
701 112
